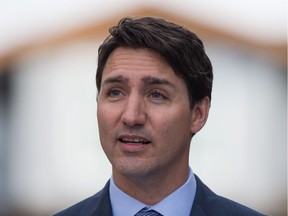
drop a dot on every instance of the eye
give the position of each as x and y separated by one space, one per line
156 95
114 93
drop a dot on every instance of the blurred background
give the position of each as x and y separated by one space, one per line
50 156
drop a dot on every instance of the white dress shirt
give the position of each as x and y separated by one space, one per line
177 203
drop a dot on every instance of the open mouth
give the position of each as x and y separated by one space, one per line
134 141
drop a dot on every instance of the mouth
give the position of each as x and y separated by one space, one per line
135 140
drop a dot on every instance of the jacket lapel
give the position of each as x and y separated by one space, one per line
199 201
197 210
99 204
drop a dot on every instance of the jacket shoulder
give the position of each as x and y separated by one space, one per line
208 203
98 204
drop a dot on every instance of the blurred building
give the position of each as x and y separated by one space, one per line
50 154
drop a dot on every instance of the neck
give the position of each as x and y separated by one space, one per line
151 189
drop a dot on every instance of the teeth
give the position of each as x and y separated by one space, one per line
131 140
134 140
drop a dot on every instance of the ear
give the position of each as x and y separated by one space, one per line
199 115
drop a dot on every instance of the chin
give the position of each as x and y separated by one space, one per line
133 169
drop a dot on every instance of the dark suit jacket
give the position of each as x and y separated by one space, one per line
206 203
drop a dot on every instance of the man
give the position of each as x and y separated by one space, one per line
154 84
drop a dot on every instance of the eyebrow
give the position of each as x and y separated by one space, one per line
157 81
115 79
149 80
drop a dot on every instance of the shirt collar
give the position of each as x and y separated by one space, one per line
177 203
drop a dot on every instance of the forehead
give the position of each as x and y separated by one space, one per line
137 61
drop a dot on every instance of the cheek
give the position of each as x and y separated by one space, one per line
173 127
100 116
106 116
105 129
105 122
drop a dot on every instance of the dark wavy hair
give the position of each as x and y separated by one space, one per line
181 49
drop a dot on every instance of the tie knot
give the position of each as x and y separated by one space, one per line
145 212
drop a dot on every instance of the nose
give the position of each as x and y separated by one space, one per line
134 113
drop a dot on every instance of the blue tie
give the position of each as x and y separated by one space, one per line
145 212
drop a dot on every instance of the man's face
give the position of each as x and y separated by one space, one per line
144 116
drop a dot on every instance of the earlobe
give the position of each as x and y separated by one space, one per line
199 115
